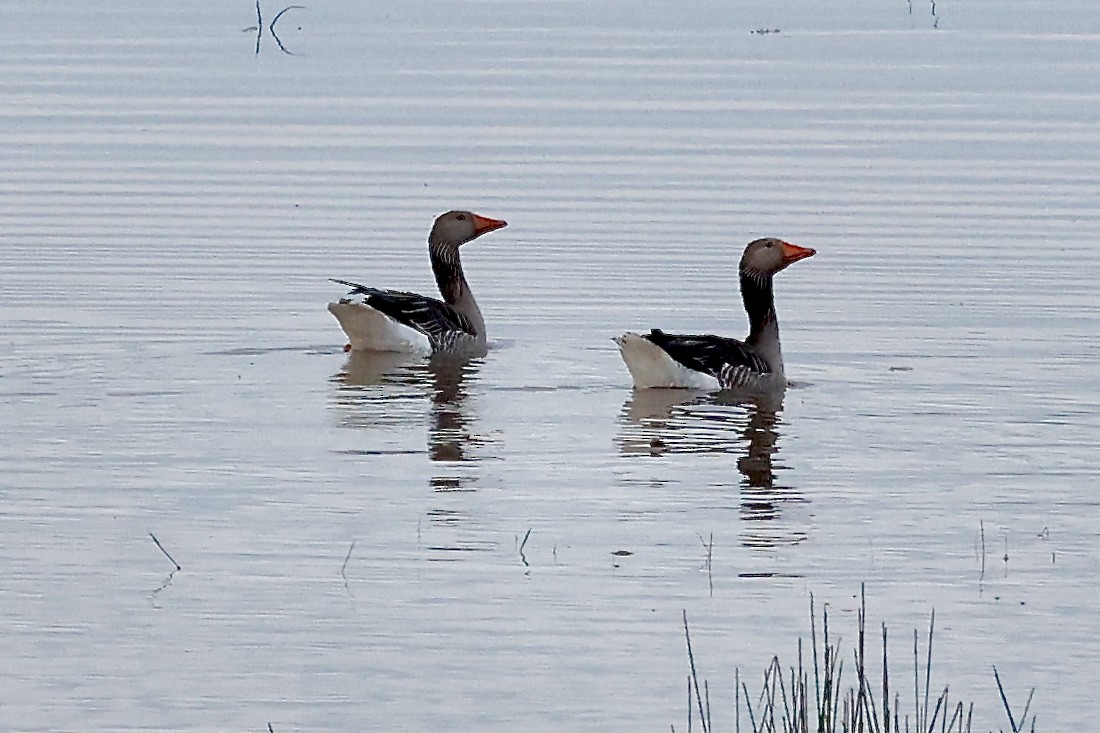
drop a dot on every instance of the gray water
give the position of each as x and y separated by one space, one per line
386 544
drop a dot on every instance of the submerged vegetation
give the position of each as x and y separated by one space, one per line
793 701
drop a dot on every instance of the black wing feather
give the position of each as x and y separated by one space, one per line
431 317
709 354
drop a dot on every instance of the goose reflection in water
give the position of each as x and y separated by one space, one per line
383 394
381 391
659 422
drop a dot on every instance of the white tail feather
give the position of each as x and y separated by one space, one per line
651 367
370 330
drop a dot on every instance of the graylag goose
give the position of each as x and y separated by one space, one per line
755 365
389 320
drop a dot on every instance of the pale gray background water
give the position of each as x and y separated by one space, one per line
172 203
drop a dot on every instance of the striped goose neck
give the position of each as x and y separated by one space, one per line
449 276
756 293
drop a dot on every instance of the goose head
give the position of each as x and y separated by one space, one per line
455 228
765 257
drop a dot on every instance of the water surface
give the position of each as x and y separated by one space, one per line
383 543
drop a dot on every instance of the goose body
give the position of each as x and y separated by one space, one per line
692 361
376 319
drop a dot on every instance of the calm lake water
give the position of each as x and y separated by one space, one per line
386 544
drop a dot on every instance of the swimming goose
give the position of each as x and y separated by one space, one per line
389 320
659 359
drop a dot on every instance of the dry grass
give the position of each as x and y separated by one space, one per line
811 696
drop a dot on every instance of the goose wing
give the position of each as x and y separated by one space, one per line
435 319
717 356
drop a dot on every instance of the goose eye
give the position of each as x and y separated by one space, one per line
462 217
769 245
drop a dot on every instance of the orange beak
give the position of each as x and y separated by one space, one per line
484 224
793 253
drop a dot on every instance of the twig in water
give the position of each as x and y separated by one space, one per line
748 706
161 547
259 26
271 27
689 703
167 582
864 705
813 643
737 699
928 667
1004 700
885 682
281 12
709 547
916 680
706 697
703 722
346 558
981 525
522 545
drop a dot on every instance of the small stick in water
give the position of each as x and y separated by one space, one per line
161 548
348 557
524 544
